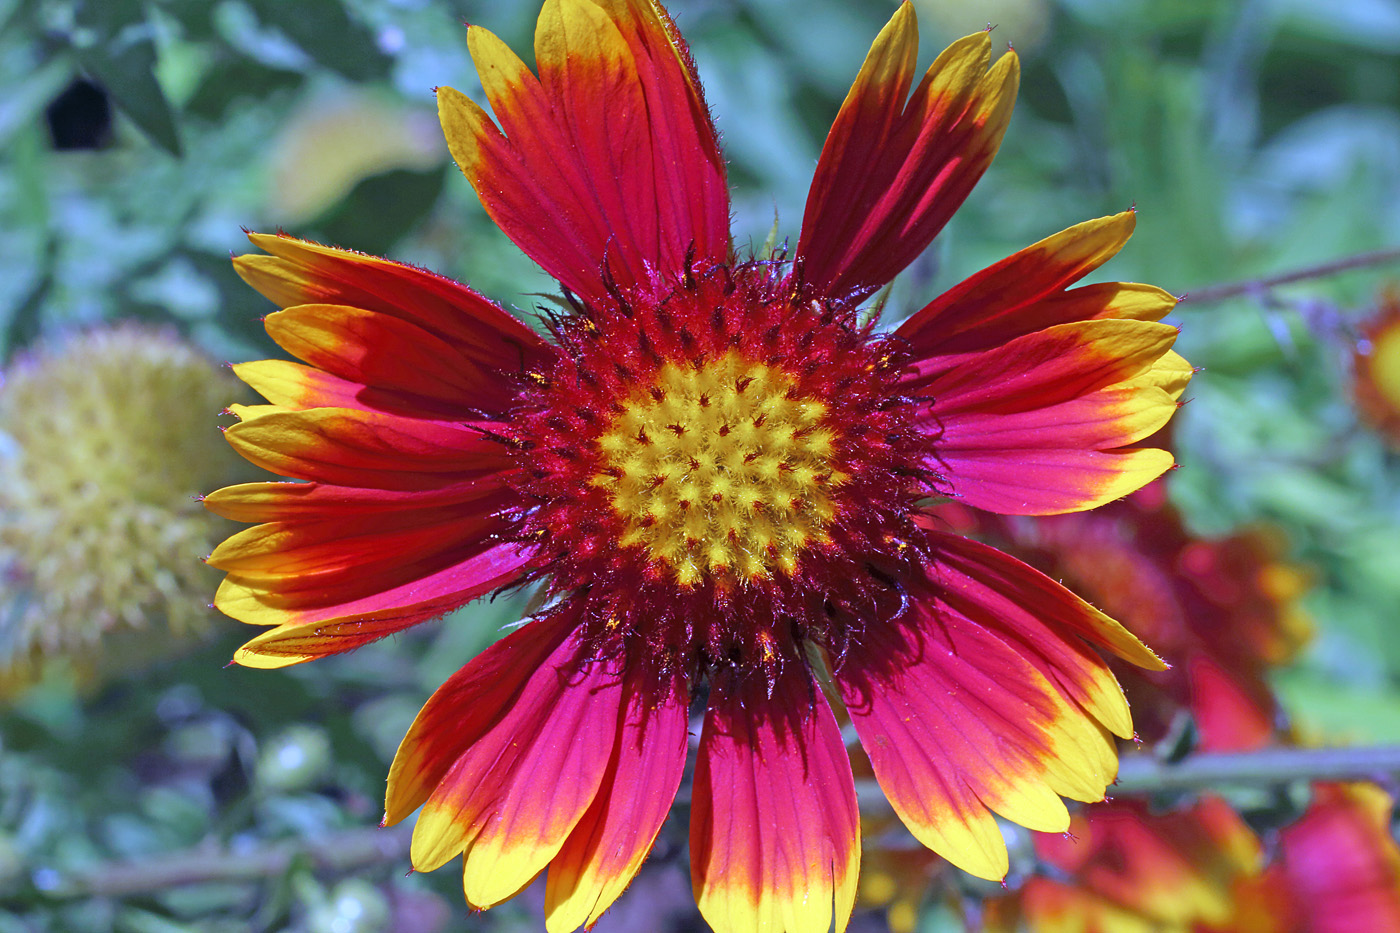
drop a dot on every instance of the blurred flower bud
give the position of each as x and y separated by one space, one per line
332 144
104 444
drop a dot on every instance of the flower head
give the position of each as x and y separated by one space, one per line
718 475
100 520
1337 868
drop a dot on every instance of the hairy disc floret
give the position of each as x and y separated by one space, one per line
733 454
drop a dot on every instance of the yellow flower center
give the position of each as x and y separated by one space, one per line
721 471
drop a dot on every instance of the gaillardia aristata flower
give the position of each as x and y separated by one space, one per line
717 473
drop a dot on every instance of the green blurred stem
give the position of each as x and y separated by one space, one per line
349 851
1213 293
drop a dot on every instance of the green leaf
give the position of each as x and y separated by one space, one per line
327 33
381 209
230 79
115 43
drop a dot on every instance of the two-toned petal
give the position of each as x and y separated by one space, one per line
980 698
606 165
611 840
374 450
331 568
1043 423
1029 291
893 170
774 831
529 760
371 322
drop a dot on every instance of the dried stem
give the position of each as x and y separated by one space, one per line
341 852
1216 293
354 850
1146 774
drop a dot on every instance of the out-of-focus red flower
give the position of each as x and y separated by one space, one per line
1376 367
1336 870
1123 869
1222 611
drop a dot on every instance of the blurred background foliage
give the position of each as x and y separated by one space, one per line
138 136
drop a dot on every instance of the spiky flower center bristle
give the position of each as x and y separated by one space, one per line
719 470
722 470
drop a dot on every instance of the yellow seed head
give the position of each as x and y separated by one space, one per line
721 471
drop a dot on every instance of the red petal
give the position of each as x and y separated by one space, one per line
774 829
1010 299
1036 426
282 501
892 173
516 792
339 548
299 272
610 842
381 351
462 709
1044 367
314 620
1023 597
608 160
972 329
373 450
298 387
1051 482
958 721
1097 421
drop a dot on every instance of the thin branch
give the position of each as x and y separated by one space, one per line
1216 293
1145 774
1142 774
353 850
342 852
